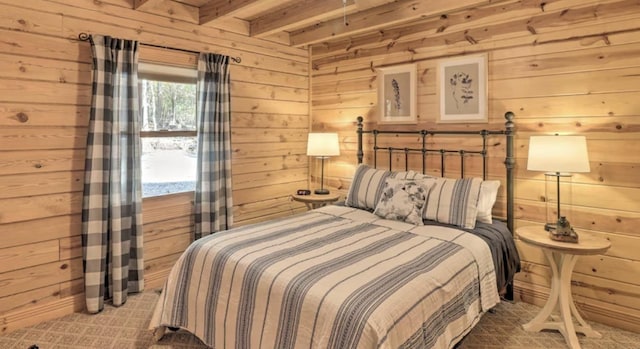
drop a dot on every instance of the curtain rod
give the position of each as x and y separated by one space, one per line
85 37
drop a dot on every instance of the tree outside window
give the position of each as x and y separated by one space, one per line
168 135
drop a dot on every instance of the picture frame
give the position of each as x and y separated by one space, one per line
397 99
462 89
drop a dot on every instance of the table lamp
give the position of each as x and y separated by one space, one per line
559 156
323 146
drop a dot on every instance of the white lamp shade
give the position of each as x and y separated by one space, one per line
560 154
323 144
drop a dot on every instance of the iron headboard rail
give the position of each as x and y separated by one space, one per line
509 162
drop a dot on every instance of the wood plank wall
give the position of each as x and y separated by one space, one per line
45 95
561 66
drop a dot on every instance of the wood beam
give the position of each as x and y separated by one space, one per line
220 8
306 13
365 4
298 14
143 4
381 16
438 29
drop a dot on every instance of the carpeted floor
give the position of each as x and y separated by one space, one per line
126 327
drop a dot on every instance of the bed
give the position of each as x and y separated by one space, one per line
405 262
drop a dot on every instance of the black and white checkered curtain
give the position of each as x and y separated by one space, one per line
111 208
213 196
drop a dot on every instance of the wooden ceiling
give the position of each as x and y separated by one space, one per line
318 22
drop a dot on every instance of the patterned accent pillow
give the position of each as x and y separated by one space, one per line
367 185
404 200
454 201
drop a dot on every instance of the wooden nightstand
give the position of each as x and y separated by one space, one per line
562 257
314 201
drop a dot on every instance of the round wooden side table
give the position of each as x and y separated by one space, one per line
315 201
562 257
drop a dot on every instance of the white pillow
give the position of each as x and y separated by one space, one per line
454 201
488 194
404 199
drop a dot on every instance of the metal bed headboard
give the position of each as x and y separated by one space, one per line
509 161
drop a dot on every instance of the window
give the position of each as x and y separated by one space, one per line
168 132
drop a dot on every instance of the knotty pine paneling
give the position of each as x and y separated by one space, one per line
21 280
21 185
168 230
29 232
27 115
156 270
41 161
26 208
560 68
166 246
166 227
45 97
597 219
33 68
43 138
24 300
28 255
280 206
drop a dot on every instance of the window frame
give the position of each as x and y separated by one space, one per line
170 74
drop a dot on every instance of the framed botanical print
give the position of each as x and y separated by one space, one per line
397 102
462 89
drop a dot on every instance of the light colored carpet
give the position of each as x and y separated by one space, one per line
126 327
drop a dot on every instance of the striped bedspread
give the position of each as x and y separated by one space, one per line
335 277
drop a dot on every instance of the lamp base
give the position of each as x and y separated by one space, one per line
562 231
321 191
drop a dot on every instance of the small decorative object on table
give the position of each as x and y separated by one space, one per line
303 192
563 232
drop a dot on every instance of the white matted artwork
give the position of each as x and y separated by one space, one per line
397 94
462 89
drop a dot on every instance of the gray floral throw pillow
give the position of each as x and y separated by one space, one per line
404 200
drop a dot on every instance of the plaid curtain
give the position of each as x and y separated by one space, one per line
111 207
213 196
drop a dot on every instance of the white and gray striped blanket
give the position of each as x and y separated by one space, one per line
335 277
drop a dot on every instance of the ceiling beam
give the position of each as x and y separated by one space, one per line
298 14
386 15
220 8
365 4
307 12
437 29
143 4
